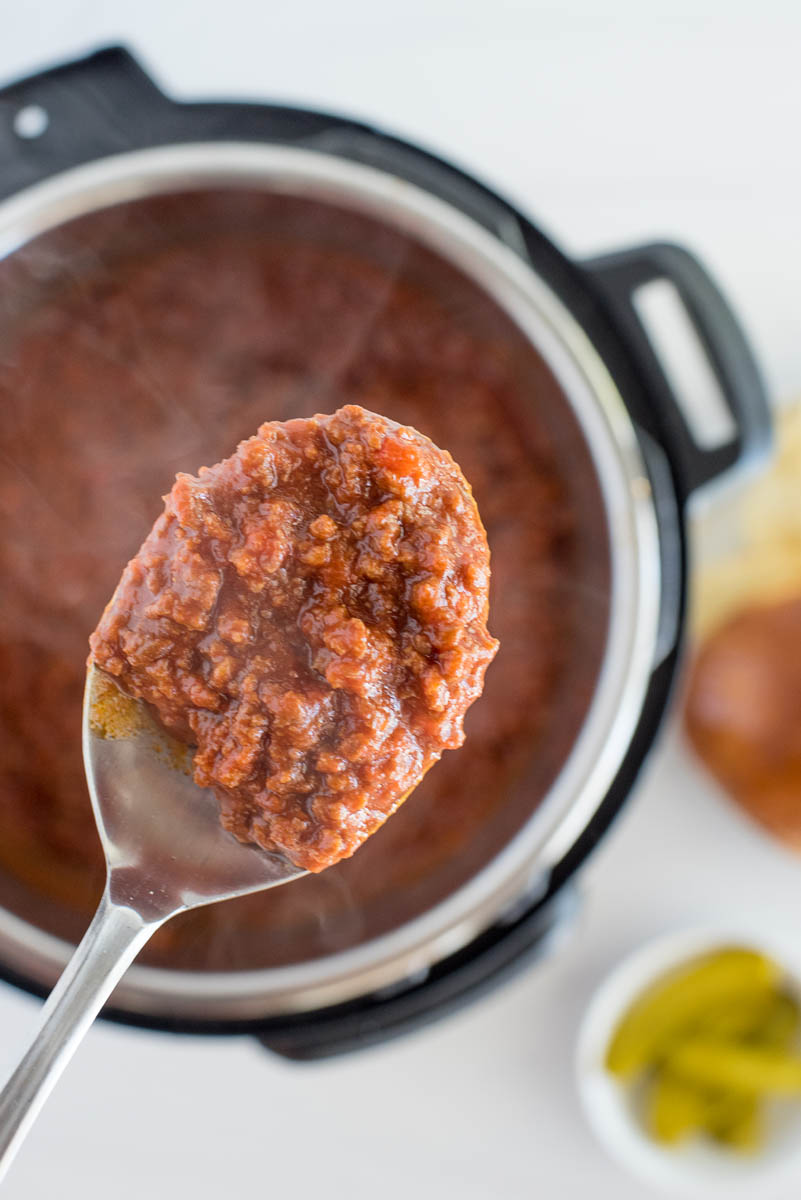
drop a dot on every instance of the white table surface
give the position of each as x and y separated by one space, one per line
610 122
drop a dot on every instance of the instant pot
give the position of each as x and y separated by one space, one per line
97 133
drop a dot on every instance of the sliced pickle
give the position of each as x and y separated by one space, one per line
710 1043
675 1109
737 1066
681 999
740 1126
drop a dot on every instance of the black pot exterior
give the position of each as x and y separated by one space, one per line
106 104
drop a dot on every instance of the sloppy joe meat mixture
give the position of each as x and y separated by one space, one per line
312 613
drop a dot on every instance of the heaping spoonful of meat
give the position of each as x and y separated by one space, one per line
309 617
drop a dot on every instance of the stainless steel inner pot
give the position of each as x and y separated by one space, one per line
523 866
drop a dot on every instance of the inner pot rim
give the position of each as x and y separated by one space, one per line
522 867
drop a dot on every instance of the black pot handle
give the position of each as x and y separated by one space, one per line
95 106
619 276
107 104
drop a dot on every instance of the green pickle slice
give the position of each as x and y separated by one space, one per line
735 1066
683 997
739 1126
676 1109
711 1042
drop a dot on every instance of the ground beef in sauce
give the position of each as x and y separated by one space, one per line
312 613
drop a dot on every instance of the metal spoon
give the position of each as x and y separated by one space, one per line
166 852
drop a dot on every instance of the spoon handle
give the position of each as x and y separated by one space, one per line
112 941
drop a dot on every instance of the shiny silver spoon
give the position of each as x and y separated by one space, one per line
166 852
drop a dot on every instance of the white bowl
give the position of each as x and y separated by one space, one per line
698 1168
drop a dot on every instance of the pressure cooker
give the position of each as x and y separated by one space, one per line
96 136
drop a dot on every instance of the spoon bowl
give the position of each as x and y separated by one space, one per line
165 848
166 852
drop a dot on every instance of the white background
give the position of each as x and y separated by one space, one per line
610 122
